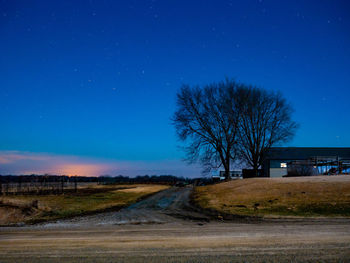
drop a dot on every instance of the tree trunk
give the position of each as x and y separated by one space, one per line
256 169
227 170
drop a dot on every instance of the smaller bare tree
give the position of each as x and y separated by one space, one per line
265 120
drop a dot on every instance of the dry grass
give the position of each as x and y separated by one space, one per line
143 189
20 208
304 196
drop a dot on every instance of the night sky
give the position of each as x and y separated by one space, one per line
89 87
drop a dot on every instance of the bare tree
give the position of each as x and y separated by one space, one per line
264 120
228 120
206 120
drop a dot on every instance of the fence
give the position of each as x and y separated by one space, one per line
38 185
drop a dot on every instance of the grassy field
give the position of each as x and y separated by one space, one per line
275 197
35 208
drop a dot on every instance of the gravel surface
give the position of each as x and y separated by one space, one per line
169 206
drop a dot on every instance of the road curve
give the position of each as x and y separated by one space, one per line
170 205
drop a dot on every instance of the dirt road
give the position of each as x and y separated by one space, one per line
164 228
169 206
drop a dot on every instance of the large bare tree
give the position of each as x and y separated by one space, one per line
264 121
228 120
206 120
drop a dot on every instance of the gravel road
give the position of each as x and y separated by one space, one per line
168 206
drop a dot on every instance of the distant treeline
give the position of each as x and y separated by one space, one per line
168 179
103 179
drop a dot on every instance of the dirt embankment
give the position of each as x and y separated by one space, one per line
278 197
17 212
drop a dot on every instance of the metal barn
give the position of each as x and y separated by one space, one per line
304 161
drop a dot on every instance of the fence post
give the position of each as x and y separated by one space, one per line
7 186
62 183
19 186
75 184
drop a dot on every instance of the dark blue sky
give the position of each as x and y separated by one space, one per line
98 79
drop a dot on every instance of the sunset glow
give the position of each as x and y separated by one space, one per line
16 162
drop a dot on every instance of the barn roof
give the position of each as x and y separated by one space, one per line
303 153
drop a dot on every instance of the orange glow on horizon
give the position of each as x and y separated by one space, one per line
81 169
